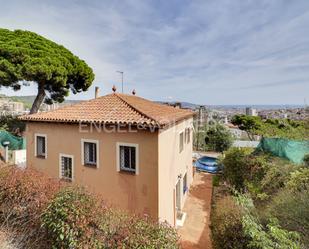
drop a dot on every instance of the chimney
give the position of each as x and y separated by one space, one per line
177 105
97 90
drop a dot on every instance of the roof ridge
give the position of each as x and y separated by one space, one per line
137 109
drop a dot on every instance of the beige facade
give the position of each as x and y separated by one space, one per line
161 161
174 166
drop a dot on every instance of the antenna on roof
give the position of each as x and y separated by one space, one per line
121 80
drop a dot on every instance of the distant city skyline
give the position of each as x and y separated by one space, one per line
202 52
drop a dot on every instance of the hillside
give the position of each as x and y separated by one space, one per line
28 100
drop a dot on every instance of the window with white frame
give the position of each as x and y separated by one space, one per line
40 144
90 152
181 142
66 167
128 158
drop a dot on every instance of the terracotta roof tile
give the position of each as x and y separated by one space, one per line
114 109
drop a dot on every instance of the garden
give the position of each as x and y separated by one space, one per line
260 202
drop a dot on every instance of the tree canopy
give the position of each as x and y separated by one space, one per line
282 128
213 137
27 56
218 138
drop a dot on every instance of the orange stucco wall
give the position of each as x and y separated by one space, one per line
136 193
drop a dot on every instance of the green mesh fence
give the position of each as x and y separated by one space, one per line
16 143
285 148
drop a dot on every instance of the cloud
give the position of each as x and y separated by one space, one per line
293 82
211 52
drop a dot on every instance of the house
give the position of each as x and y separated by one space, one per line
136 153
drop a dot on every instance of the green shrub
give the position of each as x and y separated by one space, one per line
123 231
264 237
273 236
260 174
283 128
236 167
216 180
75 220
226 225
69 219
213 137
45 213
306 160
277 174
291 208
299 180
218 138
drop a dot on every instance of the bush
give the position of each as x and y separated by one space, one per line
291 205
23 197
213 137
216 180
260 174
70 219
218 138
236 167
265 237
226 225
45 214
122 231
299 180
306 160
277 174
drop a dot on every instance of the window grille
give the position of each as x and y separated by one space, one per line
90 153
66 168
40 146
128 158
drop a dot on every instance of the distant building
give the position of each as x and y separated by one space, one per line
202 116
17 106
251 111
11 107
45 108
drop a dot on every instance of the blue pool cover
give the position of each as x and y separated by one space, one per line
208 164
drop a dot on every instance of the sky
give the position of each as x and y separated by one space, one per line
199 51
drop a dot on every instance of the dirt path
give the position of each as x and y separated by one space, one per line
195 234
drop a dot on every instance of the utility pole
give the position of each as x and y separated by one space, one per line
121 80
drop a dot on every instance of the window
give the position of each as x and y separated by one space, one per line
181 142
188 135
127 157
184 184
40 146
90 150
66 167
